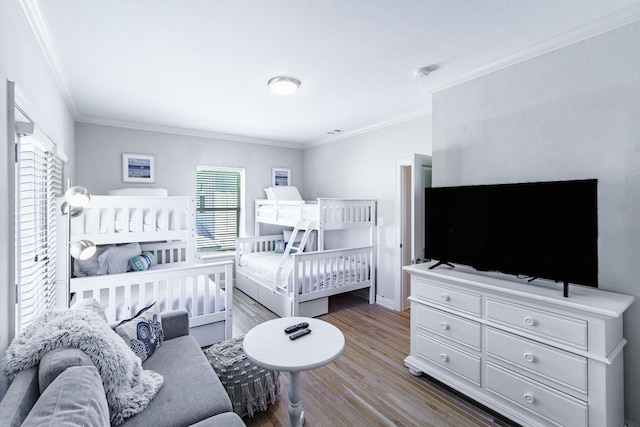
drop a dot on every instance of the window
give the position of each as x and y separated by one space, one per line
38 182
219 207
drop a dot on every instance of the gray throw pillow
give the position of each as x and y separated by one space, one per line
75 398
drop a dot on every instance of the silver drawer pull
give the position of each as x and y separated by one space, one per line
444 357
444 297
529 398
444 325
529 357
530 321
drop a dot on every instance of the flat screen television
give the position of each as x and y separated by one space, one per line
546 230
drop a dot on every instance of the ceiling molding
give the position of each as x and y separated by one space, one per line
31 9
367 129
187 132
616 20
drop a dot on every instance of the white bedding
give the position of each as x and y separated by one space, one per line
316 274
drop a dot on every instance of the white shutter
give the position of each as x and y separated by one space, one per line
39 181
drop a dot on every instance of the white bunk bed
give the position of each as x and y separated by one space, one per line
164 226
296 282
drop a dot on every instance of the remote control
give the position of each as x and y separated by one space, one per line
296 327
300 334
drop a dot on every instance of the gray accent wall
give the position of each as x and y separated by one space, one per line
99 161
364 167
570 114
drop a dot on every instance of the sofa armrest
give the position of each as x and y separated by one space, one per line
22 394
175 323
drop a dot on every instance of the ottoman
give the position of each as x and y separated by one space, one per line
250 387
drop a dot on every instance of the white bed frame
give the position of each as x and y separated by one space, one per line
175 279
333 214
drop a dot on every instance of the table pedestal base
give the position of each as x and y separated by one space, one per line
296 414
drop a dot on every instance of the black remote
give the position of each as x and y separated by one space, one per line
296 327
300 334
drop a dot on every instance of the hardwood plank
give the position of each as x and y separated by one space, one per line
368 385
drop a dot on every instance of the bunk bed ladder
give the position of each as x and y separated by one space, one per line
285 267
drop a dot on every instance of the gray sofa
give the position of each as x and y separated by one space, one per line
192 394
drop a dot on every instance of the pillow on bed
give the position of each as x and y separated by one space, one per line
284 193
116 258
268 192
312 241
91 266
143 332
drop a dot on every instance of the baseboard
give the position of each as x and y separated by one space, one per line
385 302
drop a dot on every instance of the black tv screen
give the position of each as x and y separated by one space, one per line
546 230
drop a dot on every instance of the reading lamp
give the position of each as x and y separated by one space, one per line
75 198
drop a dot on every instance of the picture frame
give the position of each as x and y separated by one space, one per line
280 176
140 168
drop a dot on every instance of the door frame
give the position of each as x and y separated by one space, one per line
401 205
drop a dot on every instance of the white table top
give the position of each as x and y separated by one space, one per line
269 346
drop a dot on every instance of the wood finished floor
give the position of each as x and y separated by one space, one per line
368 385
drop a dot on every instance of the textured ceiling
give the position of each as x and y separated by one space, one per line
202 65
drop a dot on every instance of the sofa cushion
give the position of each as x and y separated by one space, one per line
143 332
19 398
192 392
54 362
75 398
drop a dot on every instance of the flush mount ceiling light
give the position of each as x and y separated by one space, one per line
283 85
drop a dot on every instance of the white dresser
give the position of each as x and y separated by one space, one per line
524 351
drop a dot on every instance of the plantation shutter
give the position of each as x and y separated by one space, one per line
218 208
39 181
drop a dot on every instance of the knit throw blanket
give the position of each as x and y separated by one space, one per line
128 387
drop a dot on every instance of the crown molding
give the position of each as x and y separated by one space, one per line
31 9
367 129
187 132
599 26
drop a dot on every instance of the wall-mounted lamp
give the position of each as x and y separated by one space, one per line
75 199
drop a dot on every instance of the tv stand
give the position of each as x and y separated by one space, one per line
521 349
439 263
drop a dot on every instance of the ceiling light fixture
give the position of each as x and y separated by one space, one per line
283 85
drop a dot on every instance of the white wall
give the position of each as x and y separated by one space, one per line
572 113
364 166
21 61
99 161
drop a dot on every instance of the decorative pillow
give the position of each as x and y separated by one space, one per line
75 398
89 267
142 262
143 332
279 249
285 193
116 258
268 192
312 241
90 304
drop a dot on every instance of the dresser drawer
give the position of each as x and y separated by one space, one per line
454 360
448 325
447 297
555 327
554 365
555 407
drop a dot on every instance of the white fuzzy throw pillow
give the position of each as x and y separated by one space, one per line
128 387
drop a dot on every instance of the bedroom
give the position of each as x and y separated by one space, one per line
575 116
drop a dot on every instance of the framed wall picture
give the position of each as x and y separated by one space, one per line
139 168
280 176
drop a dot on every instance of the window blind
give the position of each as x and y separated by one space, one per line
39 181
218 208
